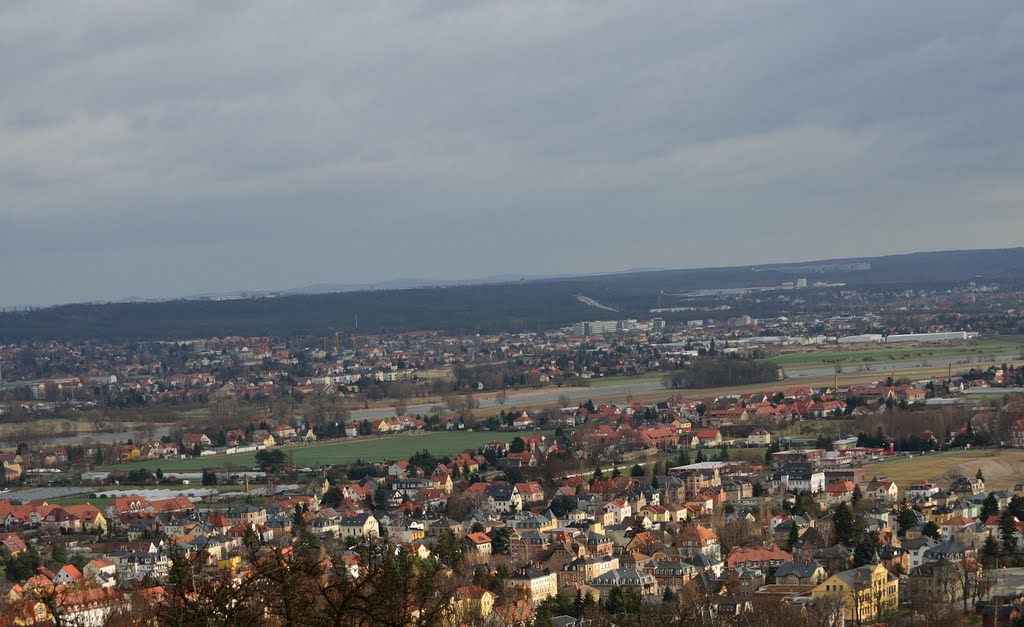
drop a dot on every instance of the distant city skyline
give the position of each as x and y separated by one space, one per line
163 150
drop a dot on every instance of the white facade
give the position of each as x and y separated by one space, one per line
927 337
866 338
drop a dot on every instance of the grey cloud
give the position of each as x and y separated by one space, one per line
192 147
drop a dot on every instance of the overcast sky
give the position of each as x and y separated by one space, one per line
161 149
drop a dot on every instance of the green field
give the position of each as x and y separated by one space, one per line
82 500
1001 468
883 354
385 448
650 377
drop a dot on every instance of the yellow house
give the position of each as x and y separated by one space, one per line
232 563
759 437
90 516
657 513
681 425
866 593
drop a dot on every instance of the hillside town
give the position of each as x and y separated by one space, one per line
695 509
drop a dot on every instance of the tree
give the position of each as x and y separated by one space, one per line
637 471
684 458
905 519
655 484
990 551
931 530
857 496
23 565
849 527
448 550
989 507
700 456
1007 532
866 550
500 540
518 445
272 459
1016 506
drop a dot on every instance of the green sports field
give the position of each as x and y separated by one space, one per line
384 448
835 356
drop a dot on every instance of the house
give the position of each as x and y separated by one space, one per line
531 492
759 558
801 574
533 585
883 490
247 515
1017 434
709 437
127 505
583 570
360 526
101 572
620 510
943 581
68 575
523 422
11 464
759 437
839 492
191 440
234 437
283 433
866 592
504 499
644 583
262 437
697 540
398 469
12 543
921 490
472 605
800 477
478 542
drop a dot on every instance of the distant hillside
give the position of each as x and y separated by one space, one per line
529 306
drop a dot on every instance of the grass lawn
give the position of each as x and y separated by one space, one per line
386 448
1001 468
81 500
650 377
835 356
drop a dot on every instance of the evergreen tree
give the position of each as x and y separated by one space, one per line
905 519
858 495
931 530
849 527
990 551
684 458
989 507
1016 507
700 456
655 483
1007 532
866 550
448 550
